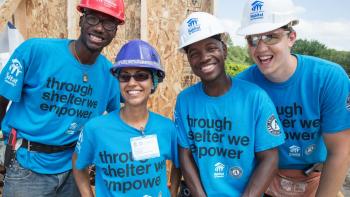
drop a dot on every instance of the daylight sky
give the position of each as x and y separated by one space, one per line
327 21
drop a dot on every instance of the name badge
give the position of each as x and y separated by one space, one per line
144 147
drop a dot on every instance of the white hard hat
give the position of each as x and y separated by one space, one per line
260 16
199 26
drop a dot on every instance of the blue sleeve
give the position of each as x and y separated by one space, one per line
268 132
84 149
114 101
180 128
174 149
335 102
13 74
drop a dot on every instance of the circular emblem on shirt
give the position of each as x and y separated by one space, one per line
310 149
236 172
272 126
348 103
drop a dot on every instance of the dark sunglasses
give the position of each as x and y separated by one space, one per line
93 20
269 39
126 77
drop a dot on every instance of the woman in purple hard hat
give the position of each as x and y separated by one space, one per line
129 146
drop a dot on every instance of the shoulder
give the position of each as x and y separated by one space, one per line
42 44
189 91
98 121
246 86
318 65
161 119
248 74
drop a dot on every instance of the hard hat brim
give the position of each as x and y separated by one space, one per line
260 28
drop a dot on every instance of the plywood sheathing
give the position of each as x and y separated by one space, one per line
7 8
164 19
130 30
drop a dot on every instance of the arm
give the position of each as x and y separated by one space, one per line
82 179
3 106
190 172
175 178
336 165
263 173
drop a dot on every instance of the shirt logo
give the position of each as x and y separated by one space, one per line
236 172
272 126
14 70
80 140
193 26
219 170
310 149
256 10
294 151
348 102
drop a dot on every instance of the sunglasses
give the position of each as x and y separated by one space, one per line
269 39
140 76
93 20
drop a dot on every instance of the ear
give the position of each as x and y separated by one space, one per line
81 20
292 38
224 48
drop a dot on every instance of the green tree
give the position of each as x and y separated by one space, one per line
315 48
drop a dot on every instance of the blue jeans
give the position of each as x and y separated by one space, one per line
20 182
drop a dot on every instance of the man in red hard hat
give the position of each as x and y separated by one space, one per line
56 85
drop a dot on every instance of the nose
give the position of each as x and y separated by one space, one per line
261 45
99 27
205 57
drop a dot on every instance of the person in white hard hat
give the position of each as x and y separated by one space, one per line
223 123
311 96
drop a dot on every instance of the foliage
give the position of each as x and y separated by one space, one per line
238 59
315 48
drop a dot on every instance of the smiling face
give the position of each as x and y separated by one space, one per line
273 58
96 37
207 59
136 89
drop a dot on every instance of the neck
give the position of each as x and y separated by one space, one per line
218 86
285 72
82 53
136 117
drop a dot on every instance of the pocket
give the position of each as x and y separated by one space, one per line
17 172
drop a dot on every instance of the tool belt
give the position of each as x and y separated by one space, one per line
44 148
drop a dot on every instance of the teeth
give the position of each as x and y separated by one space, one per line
265 57
207 68
95 38
133 92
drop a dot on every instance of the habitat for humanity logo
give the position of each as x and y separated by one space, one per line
257 11
13 72
219 170
294 151
193 26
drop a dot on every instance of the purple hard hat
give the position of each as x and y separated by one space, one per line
138 54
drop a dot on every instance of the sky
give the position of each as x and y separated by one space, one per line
327 21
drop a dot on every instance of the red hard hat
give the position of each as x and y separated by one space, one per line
113 8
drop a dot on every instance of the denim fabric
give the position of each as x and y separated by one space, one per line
20 182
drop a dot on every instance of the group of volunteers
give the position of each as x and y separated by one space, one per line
280 128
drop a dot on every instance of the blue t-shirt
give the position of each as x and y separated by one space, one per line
53 95
105 142
313 101
224 133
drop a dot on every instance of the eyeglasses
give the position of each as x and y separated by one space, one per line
109 25
269 39
126 77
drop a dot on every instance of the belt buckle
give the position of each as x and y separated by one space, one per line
29 146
